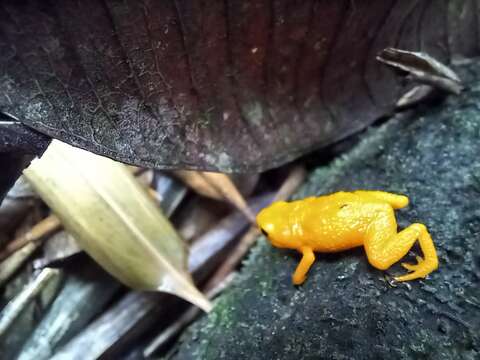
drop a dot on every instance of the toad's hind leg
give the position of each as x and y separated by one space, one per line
384 246
395 201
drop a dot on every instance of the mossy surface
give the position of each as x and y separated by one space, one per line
347 309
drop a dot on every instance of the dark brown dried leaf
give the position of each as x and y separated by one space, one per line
222 85
216 186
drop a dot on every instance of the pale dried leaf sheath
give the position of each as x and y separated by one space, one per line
102 205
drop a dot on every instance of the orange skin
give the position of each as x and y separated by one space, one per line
345 220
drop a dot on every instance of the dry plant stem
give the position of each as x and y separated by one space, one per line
10 265
293 181
43 228
15 307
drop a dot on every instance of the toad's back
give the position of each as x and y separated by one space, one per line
333 222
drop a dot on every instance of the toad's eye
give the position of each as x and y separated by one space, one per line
264 232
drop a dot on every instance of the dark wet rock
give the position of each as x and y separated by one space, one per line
347 309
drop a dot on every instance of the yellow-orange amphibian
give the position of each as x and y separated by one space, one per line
345 220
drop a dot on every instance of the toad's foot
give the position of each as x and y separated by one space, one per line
419 270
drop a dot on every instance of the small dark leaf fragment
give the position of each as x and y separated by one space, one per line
422 68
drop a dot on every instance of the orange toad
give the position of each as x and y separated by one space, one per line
345 220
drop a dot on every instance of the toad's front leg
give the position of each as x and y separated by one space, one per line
308 257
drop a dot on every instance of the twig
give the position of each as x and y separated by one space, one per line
291 184
16 306
10 265
45 227
294 180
